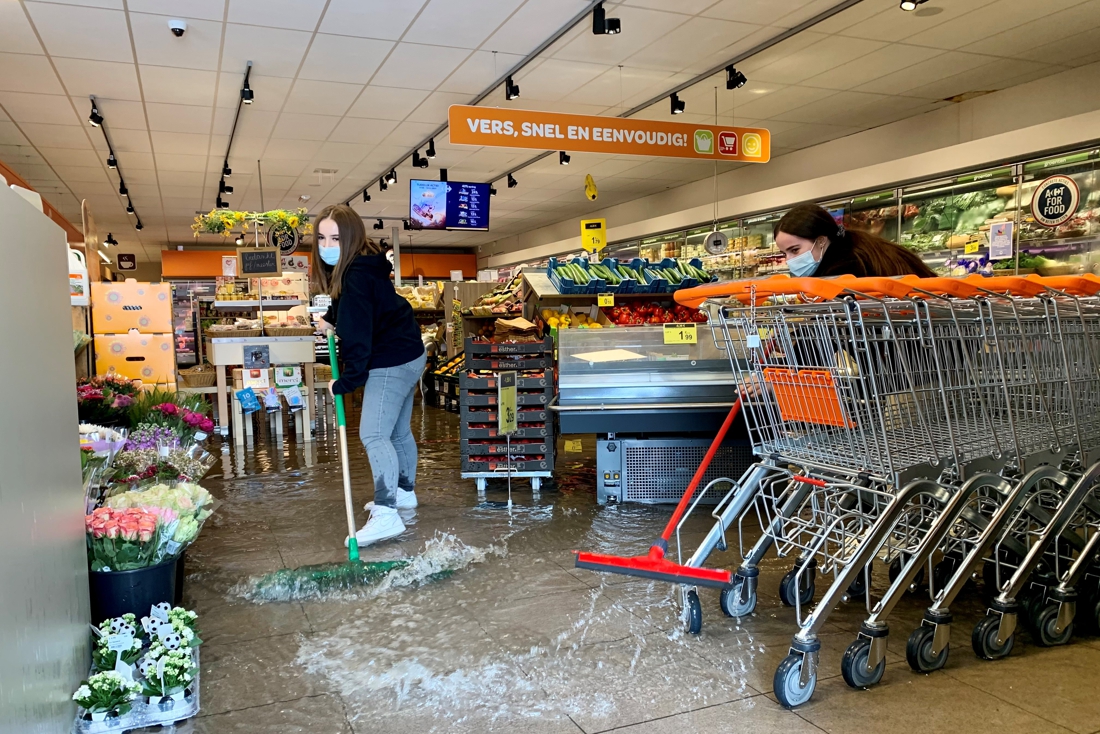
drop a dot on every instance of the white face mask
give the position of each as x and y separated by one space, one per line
804 265
330 255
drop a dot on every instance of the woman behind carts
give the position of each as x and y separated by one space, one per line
380 351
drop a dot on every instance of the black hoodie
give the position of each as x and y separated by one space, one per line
377 328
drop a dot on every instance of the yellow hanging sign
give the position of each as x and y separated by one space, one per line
593 234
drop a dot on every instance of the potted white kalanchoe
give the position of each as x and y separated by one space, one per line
106 694
168 673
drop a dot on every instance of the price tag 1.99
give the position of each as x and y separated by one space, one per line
680 334
605 299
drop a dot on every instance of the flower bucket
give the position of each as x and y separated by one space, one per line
114 593
177 596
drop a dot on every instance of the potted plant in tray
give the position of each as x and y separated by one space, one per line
106 694
168 674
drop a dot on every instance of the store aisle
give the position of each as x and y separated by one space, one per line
514 639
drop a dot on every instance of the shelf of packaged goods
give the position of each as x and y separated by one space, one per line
272 304
427 310
1031 246
510 315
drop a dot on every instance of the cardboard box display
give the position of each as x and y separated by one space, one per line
119 307
150 358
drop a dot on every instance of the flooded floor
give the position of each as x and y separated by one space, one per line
493 630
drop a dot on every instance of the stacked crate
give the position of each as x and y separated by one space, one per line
134 332
483 449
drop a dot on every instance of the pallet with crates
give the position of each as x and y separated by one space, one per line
529 451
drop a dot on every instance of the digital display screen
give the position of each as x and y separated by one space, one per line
449 205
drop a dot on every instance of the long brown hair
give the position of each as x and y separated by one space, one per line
353 243
854 252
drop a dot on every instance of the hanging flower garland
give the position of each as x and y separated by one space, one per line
224 221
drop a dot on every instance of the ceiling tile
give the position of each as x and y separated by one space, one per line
343 152
82 33
304 127
1072 50
980 23
479 71
28 73
68 157
991 76
344 58
409 134
322 98
419 67
82 174
462 23
183 143
697 38
780 101
646 27
1048 29
938 67
434 109
886 60
629 82
55 136
291 150
129 141
269 92
826 54
104 79
177 86
386 19
387 103
272 51
199 47
173 162
23 107
16 34
554 79
836 108
777 13
362 130
204 9
277 13
532 24
178 118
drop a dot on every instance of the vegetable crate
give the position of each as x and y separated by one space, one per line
558 272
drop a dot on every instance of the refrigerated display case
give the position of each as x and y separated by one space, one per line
1071 247
658 248
727 265
875 213
760 255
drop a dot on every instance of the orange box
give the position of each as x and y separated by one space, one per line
119 307
150 358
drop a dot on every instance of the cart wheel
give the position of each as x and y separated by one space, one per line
691 616
853 666
731 603
787 590
786 685
918 651
984 639
1044 627
896 567
857 590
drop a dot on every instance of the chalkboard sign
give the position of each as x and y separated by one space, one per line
258 261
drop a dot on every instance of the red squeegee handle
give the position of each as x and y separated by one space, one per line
703 466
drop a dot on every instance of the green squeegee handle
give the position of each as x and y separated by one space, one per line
341 423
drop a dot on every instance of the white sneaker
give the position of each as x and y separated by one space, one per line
406 500
384 523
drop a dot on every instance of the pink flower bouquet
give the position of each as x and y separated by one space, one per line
124 539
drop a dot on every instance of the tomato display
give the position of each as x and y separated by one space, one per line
637 314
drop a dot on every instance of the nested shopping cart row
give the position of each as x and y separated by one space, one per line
941 427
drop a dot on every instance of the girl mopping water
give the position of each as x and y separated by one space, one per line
381 351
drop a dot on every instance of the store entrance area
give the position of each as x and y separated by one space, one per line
493 629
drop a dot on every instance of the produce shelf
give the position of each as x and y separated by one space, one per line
273 304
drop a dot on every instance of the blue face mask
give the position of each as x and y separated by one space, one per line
804 265
330 255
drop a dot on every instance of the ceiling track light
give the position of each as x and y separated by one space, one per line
110 240
563 158
512 182
431 148
112 162
602 25
418 161
382 185
379 224
492 190
910 5
442 174
226 170
139 226
405 225
677 104
95 118
391 177
247 95
129 208
239 240
224 189
366 195
221 204
734 78
246 98
511 89
122 190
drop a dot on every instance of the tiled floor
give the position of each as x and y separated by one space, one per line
517 640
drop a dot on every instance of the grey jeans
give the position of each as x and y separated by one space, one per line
385 428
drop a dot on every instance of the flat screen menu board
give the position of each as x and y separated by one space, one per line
449 205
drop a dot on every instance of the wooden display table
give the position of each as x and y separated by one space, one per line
225 352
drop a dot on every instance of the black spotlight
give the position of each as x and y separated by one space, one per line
734 78
239 240
129 208
512 182
910 5
492 190
405 225
366 195
139 226
391 177
379 224
602 25
226 171
382 185
110 239
563 158
677 104
511 89
246 93
122 191
223 188
221 204
442 174
431 148
419 162
95 118
112 162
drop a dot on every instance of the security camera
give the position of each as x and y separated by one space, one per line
178 27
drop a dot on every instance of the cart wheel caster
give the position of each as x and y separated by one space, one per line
691 616
788 592
787 684
853 666
731 599
918 651
984 639
1044 622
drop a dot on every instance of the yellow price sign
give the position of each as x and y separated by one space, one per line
972 247
593 234
605 299
681 334
573 446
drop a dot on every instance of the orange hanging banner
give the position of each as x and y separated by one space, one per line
501 127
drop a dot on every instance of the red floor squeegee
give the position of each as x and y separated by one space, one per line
654 565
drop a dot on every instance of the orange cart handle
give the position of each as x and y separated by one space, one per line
1076 285
945 286
1016 285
